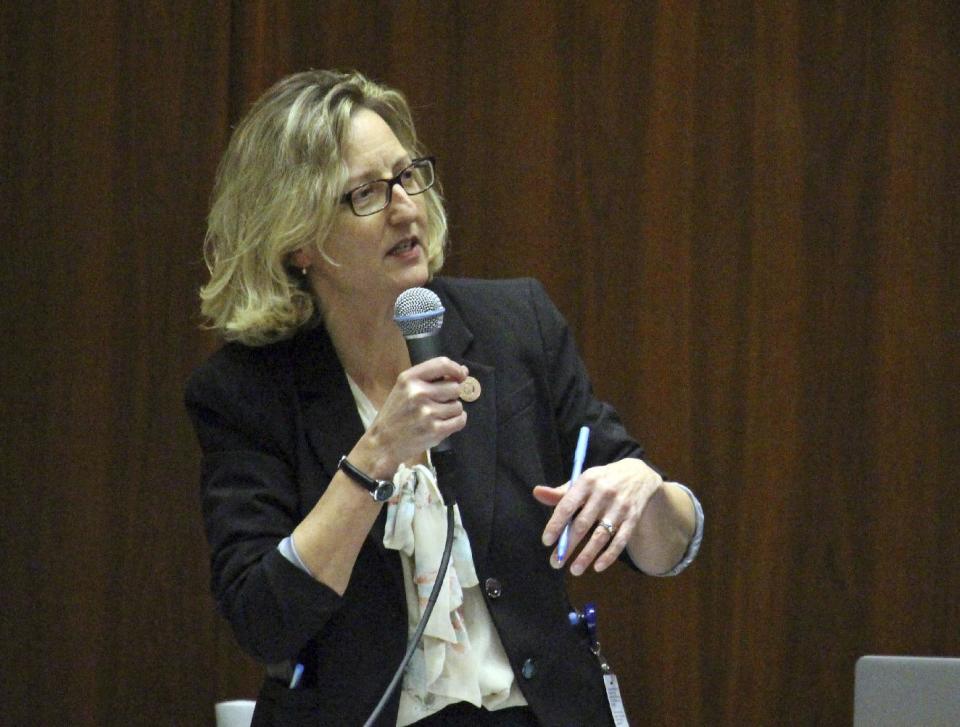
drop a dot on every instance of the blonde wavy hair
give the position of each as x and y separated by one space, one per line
278 188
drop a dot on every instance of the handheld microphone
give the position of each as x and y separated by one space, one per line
419 314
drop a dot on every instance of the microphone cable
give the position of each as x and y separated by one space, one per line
421 627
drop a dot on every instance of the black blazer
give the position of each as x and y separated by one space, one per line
273 421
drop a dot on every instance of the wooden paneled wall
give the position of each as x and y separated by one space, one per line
747 210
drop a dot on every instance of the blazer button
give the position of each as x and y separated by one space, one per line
493 588
529 669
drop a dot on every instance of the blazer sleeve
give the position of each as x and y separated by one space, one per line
250 503
571 392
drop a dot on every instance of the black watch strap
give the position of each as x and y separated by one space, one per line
380 490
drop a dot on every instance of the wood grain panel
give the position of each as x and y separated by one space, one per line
118 114
747 211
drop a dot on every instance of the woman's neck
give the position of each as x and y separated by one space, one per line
370 347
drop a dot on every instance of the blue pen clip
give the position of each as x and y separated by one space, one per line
578 456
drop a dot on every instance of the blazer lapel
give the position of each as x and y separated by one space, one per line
476 445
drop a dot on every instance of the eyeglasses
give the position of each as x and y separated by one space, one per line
370 198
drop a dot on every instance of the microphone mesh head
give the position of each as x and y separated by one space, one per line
418 311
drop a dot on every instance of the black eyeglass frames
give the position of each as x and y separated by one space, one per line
368 199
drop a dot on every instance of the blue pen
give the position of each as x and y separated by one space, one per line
578 457
297 673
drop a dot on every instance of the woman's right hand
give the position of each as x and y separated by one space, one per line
422 410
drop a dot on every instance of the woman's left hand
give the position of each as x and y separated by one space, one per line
615 494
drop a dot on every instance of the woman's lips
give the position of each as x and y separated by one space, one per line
404 247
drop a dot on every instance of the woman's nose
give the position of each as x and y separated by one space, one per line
401 202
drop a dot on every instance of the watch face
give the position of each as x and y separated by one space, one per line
384 491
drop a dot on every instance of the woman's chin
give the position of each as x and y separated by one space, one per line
414 276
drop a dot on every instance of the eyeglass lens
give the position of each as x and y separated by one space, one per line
374 196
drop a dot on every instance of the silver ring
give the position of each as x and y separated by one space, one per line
608 526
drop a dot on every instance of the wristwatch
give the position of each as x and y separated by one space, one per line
380 490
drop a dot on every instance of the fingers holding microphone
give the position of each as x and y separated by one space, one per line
434 387
422 409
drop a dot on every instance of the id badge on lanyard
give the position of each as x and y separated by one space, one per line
588 620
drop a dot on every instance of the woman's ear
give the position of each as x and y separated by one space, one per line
303 258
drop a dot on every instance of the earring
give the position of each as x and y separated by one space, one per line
303 272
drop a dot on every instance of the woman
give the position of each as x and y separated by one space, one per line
325 210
